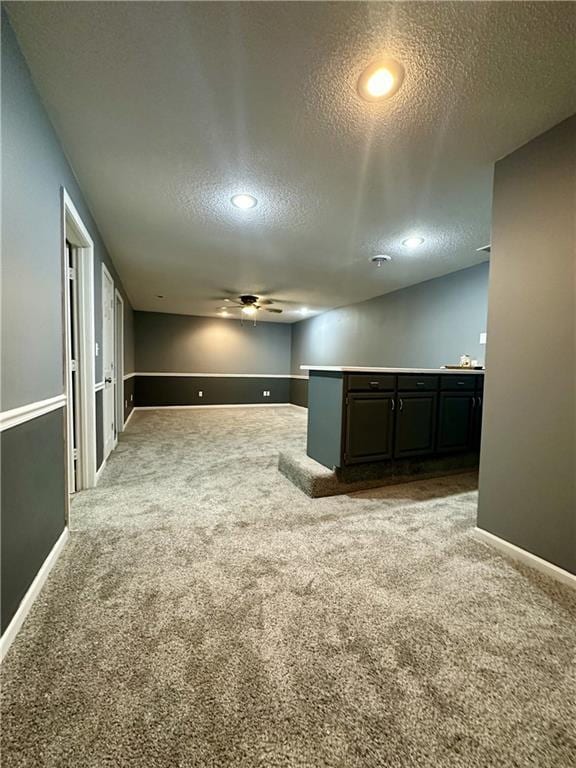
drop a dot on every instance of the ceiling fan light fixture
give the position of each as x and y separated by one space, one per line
380 259
249 309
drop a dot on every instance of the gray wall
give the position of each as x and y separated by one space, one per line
34 169
528 460
184 344
428 324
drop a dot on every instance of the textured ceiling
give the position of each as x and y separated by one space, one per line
167 109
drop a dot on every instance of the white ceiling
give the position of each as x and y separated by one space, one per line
167 109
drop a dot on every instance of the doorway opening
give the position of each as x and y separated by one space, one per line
78 301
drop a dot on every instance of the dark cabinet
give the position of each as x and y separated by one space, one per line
456 421
362 417
369 427
415 424
477 434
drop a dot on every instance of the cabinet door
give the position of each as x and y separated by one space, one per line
369 428
456 422
477 422
415 424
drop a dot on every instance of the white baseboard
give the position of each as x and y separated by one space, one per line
300 407
129 417
197 407
100 470
33 591
523 556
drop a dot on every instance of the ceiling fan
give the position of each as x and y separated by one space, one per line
250 305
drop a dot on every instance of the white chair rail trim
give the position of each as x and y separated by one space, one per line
23 413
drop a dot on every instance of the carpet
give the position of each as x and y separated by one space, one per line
207 613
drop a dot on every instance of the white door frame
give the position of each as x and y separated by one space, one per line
106 275
74 230
119 357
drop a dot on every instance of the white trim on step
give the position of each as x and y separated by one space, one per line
129 376
300 407
200 407
523 556
33 591
129 417
99 386
15 416
218 375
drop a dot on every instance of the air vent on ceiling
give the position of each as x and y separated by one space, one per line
485 248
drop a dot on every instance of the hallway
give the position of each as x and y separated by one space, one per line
206 613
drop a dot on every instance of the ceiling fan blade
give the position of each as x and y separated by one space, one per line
264 302
269 309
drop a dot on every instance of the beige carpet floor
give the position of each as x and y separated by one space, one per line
206 613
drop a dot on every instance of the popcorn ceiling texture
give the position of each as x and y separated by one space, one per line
167 109
207 614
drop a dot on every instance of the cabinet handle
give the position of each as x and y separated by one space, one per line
473 402
420 383
374 383
401 402
393 404
479 402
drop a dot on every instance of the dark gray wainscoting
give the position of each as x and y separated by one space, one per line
153 391
99 428
33 502
299 392
129 400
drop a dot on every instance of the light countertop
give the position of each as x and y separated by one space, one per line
365 369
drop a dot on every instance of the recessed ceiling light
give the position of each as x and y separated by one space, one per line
304 310
244 201
249 310
380 80
382 258
412 242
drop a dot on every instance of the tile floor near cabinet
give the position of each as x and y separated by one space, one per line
206 613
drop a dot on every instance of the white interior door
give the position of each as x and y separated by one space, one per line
72 369
108 357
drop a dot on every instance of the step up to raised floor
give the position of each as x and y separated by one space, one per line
316 480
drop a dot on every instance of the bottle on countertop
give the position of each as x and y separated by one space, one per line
465 361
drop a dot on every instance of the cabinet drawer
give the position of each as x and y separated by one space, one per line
458 383
365 382
425 383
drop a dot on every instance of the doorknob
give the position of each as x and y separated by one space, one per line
107 381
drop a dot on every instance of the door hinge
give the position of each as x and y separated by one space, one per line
71 273
75 454
73 365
